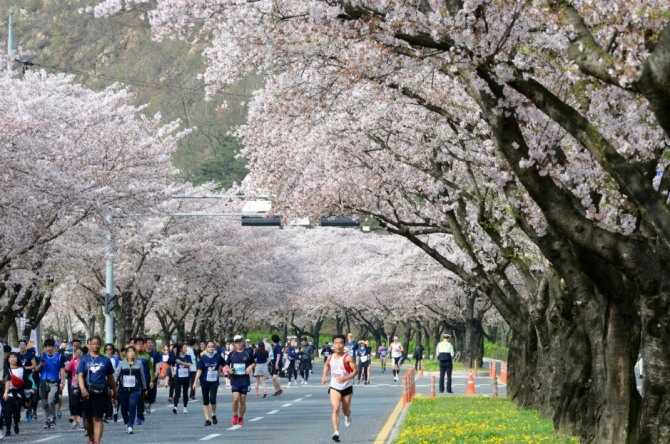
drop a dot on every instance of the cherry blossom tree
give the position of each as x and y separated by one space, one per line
529 133
70 155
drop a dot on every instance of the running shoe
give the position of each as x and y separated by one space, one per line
235 419
116 417
139 421
240 421
336 437
347 421
28 417
170 399
16 429
208 423
174 410
257 395
129 430
214 420
278 392
185 410
265 394
59 414
47 424
148 409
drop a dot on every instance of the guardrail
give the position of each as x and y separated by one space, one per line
408 387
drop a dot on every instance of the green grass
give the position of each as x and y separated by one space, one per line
475 420
434 366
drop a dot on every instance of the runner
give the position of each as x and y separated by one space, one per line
261 370
326 351
293 362
208 375
112 412
181 376
17 387
240 366
149 375
95 376
363 354
342 367
156 358
74 397
306 353
277 364
132 383
396 355
192 369
28 362
52 381
350 346
382 351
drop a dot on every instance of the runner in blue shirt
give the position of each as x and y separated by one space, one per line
182 376
95 376
52 380
277 364
208 373
240 366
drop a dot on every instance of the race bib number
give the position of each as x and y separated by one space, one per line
364 359
239 369
128 381
326 354
182 372
212 375
335 374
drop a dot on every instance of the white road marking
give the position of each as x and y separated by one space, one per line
258 418
288 404
235 427
272 412
307 396
208 437
299 399
49 438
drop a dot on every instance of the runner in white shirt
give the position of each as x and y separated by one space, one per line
343 370
396 355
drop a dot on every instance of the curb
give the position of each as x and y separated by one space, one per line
390 429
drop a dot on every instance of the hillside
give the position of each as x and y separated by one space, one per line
100 52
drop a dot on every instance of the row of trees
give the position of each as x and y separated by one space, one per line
515 142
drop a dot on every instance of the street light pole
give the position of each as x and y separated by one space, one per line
109 283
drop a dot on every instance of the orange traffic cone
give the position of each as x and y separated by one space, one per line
470 390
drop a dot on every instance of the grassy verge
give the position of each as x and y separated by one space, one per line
434 366
475 420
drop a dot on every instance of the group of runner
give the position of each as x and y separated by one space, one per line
102 383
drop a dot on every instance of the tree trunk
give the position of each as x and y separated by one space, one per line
654 421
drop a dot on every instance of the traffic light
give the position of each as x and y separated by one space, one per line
339 221
258 221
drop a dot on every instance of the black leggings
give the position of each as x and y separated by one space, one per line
209 394
12 410
292 371
181 385
304 369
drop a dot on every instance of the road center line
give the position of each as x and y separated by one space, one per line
49 438
288 404
235 427
299 399
272 412
208 437
258 418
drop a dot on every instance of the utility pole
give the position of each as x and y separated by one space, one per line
110 298
10 41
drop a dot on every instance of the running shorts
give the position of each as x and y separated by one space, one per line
96 405
346 392
241 389
397 361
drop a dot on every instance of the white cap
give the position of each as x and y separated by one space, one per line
237 338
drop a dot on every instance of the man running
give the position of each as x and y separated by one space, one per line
396 355
240 367
342 367
52 381
276 364
95 375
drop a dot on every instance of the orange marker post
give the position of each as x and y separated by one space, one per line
470 390
432 386
405 394
495 386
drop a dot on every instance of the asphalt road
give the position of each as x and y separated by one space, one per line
301 414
